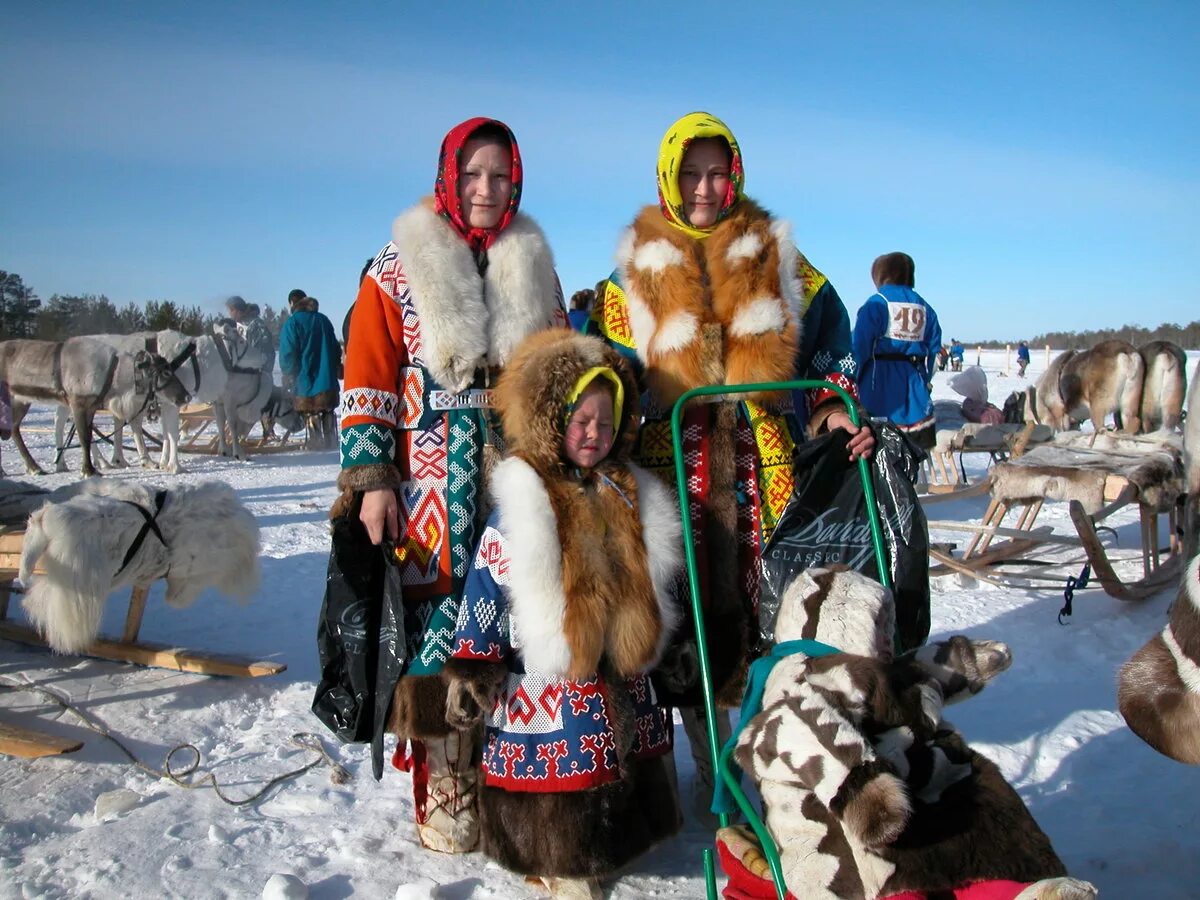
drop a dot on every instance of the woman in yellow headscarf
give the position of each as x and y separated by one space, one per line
710 289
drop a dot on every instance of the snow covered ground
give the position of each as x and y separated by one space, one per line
1119 814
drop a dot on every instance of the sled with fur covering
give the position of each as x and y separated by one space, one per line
1000 442
198 434
722 759
1097 475
127 648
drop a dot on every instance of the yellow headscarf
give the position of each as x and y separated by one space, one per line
670 159
585 381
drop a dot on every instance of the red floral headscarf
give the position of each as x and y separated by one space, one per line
445 189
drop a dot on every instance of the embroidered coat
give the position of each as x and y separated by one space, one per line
568 605
428 332
896 342
741 306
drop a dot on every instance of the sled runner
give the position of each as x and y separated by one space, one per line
198 427
1097 475
722 758
127 648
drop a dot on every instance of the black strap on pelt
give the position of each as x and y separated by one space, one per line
160 498
227 359
183 356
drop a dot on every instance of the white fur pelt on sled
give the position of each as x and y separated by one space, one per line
209 540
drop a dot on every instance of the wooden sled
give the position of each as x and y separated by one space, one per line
999 442
198 434
1120 472
127 648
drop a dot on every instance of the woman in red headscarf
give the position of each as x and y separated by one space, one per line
463 280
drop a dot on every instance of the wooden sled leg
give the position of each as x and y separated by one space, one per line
27 744
995 514
1102 569
137 609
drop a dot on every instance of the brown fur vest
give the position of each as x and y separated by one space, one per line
725 310
590 567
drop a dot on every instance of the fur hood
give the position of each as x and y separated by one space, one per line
468 321
592 559
743 279
531 396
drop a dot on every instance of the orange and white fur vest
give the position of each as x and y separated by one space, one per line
723 310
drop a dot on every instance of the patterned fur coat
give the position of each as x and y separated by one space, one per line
568 606
741 306
428 331
867 790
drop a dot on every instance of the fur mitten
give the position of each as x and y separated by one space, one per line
472 690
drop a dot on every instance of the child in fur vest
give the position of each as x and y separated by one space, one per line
567 607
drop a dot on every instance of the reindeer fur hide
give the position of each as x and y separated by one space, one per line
211 540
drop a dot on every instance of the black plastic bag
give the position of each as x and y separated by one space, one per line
360 639
825 522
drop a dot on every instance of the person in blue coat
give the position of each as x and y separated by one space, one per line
1022 358
957 350
309 358
896 342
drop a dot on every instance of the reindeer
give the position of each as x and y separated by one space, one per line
83 374
247 389
1164 386
1093 383
198 365
1158 690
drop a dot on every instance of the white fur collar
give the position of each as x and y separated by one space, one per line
466 321
537 603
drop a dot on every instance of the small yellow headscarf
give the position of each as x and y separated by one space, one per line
582 385
670 159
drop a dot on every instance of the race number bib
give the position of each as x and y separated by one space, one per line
906 322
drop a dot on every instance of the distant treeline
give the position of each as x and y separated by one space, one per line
24 315
1186 336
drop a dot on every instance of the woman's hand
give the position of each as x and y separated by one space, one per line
862 439
379 513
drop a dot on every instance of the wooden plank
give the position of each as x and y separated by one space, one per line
157 655
17 741
940 494
1045 533
955 565
1004 550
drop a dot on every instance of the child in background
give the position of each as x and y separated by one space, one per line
567 607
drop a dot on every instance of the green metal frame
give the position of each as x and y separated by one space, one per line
722 760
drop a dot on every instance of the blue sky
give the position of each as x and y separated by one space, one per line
1039 161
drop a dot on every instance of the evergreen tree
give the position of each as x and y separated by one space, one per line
18 307
162 314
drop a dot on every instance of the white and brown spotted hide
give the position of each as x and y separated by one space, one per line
1159 688
1164 386
856 767
1092 384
